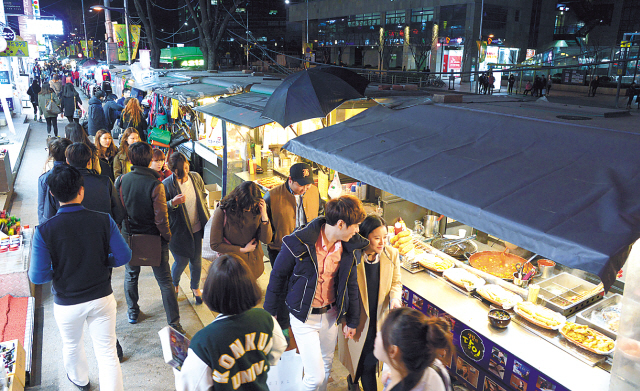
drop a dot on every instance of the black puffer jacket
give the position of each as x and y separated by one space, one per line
96 117
294 276
69 103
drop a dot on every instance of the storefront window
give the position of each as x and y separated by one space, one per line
396 17
421 15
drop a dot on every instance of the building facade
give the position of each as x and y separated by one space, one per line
441 35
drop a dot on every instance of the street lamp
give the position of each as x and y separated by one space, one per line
125 11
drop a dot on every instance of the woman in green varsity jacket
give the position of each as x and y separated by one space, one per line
235 351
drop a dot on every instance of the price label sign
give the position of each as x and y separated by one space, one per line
472 345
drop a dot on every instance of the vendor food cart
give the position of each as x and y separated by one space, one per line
568 194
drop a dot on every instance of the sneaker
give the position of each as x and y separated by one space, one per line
119 351
179 328
82 388
133 318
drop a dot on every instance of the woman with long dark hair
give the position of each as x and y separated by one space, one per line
47 94
70 101
240 223
76 134
133 117
378 277
121 163
410 343
188 214
106 152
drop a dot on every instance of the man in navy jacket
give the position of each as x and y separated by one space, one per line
76 249
315 277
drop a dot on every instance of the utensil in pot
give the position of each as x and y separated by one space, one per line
457 242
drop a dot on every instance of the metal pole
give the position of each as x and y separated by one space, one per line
84 23
307 21
480 38
126 22
248 46
107 23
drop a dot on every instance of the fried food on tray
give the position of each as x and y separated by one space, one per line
270 182
539 314
434 262
587 337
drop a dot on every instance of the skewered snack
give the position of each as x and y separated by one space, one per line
402 234
587 338
405 248
539 315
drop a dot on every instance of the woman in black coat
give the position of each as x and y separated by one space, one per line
33 92
70 101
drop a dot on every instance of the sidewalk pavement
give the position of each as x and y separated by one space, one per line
144 367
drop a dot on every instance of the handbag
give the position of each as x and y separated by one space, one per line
52 107
146 250
116 132
160 135
207 252
77 113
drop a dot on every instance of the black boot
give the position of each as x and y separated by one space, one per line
352 386
119 351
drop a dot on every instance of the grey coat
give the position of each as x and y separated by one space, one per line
182 242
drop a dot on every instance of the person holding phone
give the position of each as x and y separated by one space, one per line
240 223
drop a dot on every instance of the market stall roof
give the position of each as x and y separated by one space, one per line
191 92
243 109
570 193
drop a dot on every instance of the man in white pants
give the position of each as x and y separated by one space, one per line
314 276
76 249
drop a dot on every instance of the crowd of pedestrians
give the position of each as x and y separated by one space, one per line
333 282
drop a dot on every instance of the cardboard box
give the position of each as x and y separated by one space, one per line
215 194
17 367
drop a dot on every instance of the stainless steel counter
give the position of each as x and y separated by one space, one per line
547 358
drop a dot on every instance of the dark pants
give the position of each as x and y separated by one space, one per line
71 119
367 365
163 277
510 88
35 109
195 263
283 312
52 121
77 82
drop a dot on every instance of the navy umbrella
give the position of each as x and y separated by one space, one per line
313 93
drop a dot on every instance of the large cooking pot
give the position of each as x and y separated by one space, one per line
457 251
498 263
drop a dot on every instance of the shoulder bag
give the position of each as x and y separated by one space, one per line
146 250
207 252
77 113
52 107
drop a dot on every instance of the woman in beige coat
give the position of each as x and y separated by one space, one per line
380 290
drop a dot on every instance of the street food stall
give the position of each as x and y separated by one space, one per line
237 143
566 193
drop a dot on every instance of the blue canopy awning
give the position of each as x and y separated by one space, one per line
568 192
